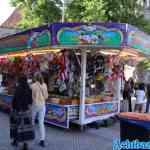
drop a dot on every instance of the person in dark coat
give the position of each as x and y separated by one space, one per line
127 94
21 128
148 98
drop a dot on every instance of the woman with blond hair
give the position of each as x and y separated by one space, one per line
39 96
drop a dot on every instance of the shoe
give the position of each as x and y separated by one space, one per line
42 143
14 143
25 146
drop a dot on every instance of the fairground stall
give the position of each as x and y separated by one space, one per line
81 63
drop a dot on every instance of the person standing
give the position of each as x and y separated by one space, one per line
39 95
21 128
127 95
132 86
140 96
148 98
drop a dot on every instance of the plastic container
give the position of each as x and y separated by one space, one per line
134 130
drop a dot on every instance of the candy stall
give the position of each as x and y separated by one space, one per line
81 63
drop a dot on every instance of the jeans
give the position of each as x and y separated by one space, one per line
39 111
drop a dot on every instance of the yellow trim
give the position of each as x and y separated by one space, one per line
32 52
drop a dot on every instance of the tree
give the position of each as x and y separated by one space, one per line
145 26
123 10
126 11
143 65
38 12
85 10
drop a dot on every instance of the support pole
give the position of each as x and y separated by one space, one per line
118 94
82 87
63 11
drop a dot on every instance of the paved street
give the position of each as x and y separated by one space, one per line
60 139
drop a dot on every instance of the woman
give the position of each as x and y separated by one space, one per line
140 96
21 128
148 98
39 95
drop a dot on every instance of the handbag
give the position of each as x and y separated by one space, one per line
13 124
25 129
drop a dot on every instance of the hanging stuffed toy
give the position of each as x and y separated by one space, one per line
99 64
44 65
117 72
109 61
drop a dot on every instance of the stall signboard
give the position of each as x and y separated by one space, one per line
14 43
39 37
100 109
57 115
138 40
83 34
30 39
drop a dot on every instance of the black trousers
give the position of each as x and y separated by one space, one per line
127 96
130 104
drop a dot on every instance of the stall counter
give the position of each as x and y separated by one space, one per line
61 115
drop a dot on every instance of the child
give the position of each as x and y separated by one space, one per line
140 96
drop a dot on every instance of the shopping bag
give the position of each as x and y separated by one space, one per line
21 127
13 124
25 128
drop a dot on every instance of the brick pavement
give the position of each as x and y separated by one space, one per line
61 139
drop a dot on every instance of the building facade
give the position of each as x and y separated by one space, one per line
4 31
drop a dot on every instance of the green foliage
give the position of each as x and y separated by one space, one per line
38 12
86 10
126 11
145 26
143 65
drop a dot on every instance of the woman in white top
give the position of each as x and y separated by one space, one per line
39 96
140 96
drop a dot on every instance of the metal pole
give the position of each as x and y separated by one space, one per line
83 87
63 11
118 94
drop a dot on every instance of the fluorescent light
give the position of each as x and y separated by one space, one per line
109 51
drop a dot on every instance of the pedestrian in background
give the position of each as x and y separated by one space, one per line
140 96
39 95
127 92
21 128
148 98
132 86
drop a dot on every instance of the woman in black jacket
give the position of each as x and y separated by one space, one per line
21 128
148 99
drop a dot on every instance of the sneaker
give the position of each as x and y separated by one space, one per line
25 146
42 143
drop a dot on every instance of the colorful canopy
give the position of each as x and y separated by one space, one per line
78 35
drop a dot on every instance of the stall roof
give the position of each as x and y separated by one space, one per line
79 35
29 39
